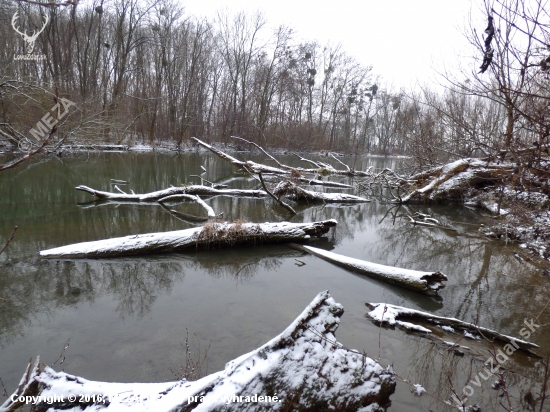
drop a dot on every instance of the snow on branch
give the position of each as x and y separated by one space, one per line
160 194
394 315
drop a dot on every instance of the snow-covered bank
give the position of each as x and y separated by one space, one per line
303 368
523 217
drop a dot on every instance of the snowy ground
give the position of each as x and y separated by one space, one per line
523 217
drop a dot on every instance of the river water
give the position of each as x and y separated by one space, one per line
127 319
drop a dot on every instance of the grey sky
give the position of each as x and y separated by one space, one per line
401 39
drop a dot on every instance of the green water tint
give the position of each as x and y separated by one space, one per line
126 318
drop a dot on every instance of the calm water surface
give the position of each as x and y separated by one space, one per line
126 319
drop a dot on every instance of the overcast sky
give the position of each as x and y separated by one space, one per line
401 39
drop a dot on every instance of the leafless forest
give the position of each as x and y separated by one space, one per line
147 72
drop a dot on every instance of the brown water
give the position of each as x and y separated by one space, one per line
126 318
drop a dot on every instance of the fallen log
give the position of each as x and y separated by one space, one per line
425 282
384 313
321 168
293 192
445 173
453 179
189 190
211 235
302 369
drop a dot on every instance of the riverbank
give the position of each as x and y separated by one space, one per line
520 216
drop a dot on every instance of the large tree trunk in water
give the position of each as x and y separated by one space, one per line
303 369
211 235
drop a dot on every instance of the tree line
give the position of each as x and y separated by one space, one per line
147 72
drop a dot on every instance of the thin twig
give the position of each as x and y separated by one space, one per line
9 240
62 356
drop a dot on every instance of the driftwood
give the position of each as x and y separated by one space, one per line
425 282
383 313
302 369
211 235
320 167
160 194
293 192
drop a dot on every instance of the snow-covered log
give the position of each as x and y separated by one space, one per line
189 190
453 179
302 369
393 315
445 174
425 282
211 235
294 192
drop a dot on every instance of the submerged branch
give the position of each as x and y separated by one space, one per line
9 240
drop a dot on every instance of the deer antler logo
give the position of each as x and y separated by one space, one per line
29 40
